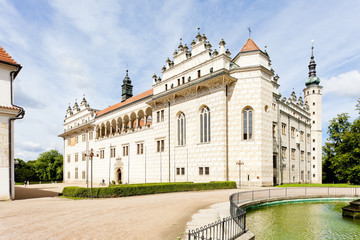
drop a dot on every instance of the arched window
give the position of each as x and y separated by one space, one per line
205 125
181 127
247 124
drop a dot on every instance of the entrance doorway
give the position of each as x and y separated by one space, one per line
118 176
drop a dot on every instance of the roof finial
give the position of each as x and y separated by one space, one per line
312 48
249 31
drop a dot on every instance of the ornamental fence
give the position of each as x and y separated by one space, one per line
234 226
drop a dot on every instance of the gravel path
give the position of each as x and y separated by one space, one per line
159 216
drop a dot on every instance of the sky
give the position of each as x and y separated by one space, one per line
70 48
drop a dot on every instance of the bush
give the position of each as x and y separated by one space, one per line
143 189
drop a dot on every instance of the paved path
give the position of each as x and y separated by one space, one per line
159 216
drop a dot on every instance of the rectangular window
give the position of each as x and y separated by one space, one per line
313 166
140 148
76 157
83 157
292 132
178 81
183 80
302 155
102 153
274 130
182 171
293 150
302 136
68 141
162 115
68 158
160 145
112 152
165 87
302 175
199 73
83 175
83 137
201 170
207 171
76 173
76 139
91 135
283 129
283 152
308 137
68 175
125 150
158 116
308 157
293 167
177 171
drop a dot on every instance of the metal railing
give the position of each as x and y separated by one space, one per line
227 228
235 225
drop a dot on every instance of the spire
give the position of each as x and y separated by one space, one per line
313 79
312 64
126 87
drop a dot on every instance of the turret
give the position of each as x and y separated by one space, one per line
313 98
126 88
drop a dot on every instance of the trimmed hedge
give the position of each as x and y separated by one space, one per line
143 189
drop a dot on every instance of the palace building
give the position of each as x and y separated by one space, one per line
208 117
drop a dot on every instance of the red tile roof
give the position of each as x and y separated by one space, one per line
127 101
10 107
5 57
249 46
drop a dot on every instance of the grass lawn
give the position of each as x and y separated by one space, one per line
319 185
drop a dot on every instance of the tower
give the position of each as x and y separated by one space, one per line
313 95
126 88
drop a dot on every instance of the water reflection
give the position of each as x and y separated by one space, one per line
302 220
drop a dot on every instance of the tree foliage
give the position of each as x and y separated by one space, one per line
341 153
47 167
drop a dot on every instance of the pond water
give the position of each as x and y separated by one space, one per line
302 220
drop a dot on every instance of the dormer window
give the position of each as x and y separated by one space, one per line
166 87
172 85
179 82
199 73
183 80
211 70
189 79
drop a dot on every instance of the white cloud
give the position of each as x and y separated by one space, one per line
344 84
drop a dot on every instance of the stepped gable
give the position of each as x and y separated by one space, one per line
6 58
250 45
126 102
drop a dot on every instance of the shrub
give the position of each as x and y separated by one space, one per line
143 189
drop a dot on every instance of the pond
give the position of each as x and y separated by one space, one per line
302 219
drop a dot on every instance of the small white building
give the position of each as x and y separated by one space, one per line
9 112
206 113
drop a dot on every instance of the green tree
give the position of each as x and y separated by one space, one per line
341 153
24 171
49 166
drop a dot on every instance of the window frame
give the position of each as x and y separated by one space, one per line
205 125
247 124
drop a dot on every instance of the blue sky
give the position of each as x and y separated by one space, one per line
71 48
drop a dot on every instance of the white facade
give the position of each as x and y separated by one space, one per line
8 113
207 112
